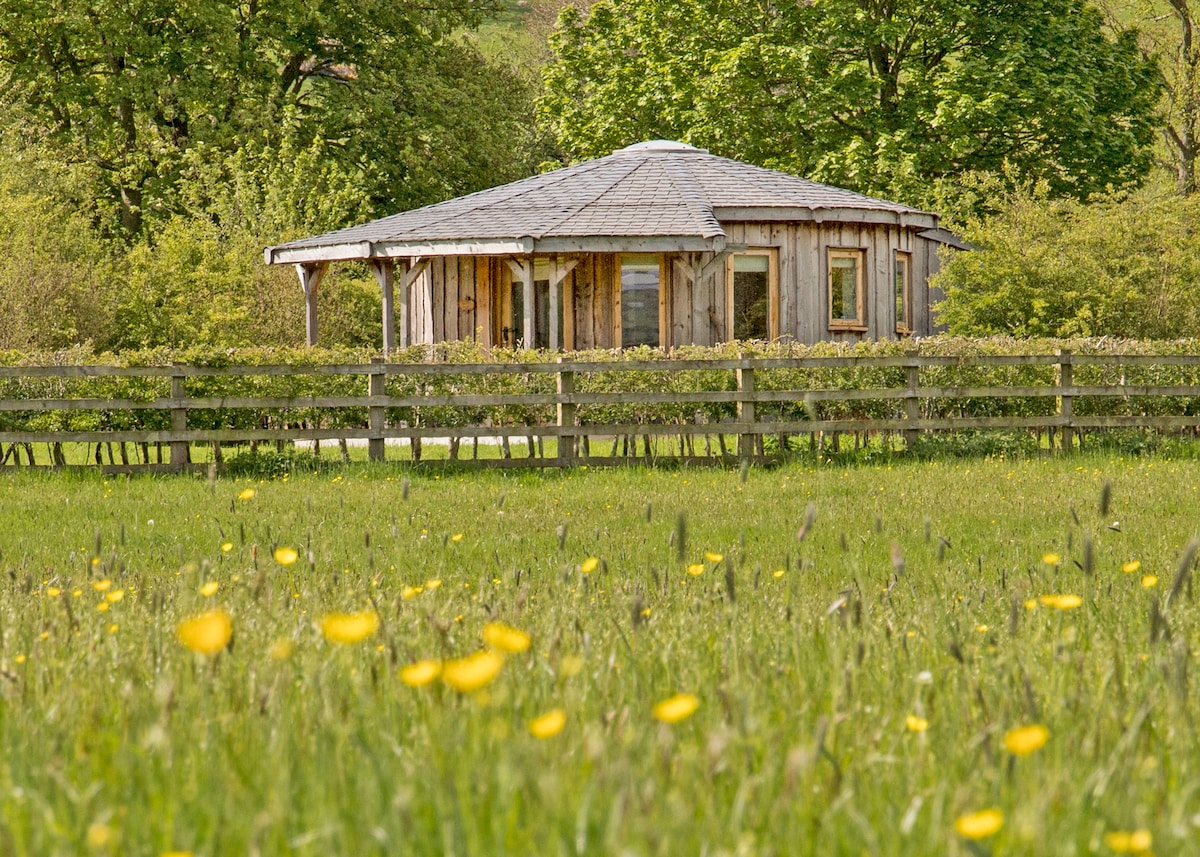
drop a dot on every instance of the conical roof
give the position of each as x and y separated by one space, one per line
657 196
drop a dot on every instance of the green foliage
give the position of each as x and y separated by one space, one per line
1121 267
386 92
883 98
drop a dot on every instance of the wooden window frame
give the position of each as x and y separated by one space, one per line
859 323
772 254
664 301
903 320
504 279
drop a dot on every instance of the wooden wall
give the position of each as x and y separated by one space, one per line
466 291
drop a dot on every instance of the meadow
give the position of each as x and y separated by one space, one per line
953 657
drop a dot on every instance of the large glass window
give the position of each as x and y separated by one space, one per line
846 299
513 334
640 285
902 287
752 294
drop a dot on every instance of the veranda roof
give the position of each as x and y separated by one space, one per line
659 196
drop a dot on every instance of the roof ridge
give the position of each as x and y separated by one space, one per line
574 210
526 185
692 195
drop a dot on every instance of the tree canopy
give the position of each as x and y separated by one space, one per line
384 89
882 96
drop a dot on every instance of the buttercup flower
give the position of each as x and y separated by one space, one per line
349 627
472 672
678 707
549 724
1026 739
979 825
505 639
207 633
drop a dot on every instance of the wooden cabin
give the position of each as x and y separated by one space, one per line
659 244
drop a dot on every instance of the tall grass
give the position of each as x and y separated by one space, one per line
914 598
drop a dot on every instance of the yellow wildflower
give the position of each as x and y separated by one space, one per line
410 592
207 633
916 724
349 627
676 708
1051 558
209 589
1062 602
549 724
1149 581
472 672
504 638
589 565
286 556
98 835
433 584
226 547
421 673
713 557
102 585
1026 739
979 825
696 568
247 494
114 596
1129 842
1131 566
457 537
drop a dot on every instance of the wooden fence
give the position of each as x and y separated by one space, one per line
908 397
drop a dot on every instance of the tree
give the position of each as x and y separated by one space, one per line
1123 267
884 96
386 87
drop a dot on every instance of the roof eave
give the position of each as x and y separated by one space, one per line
362 250
911 219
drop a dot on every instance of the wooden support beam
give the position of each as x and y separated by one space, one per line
552 342
530 299
385 274
311 274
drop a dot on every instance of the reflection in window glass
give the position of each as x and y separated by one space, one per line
541 309
903 288
639 300
751 297
843 285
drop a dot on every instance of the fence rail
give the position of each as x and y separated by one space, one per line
740 399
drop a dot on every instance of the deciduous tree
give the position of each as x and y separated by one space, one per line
884 96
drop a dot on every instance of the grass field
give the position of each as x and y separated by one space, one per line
854 691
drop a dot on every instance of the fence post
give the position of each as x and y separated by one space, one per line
912 402
179 423
376 415
1063 401
745 410
566 415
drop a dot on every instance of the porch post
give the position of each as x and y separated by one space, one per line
310 274
385 274
527 268
554 281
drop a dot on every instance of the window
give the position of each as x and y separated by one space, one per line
902 286
512 328
640 300
752 294
846 304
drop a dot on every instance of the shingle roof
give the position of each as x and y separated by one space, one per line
660 192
